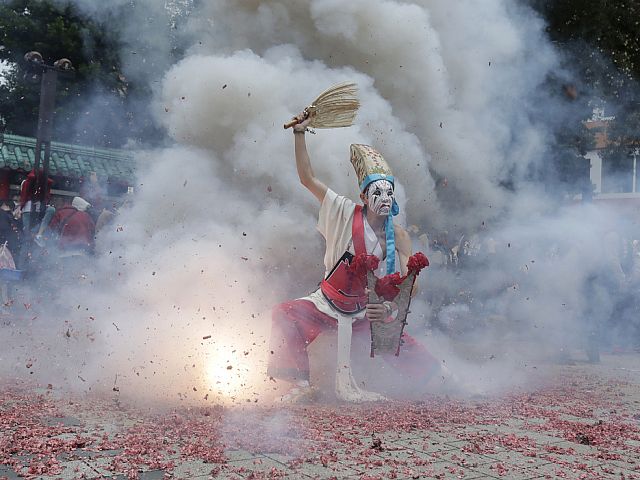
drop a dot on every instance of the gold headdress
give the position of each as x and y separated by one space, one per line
369 165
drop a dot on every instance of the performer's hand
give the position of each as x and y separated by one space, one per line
377 312
17 213
303 121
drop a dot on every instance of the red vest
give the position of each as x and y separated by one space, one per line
344 290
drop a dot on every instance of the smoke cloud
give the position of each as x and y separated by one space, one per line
219 229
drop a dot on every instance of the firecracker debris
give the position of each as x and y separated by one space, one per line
583 423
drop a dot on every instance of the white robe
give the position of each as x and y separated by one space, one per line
335 222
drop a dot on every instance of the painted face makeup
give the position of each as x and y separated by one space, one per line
380 197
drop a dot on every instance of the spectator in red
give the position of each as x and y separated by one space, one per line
75 228
30 201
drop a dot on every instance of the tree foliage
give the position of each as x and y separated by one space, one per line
600 38
95 105
600 45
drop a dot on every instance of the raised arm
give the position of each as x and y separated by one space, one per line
403 246
303 162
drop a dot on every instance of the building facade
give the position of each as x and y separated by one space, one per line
74 169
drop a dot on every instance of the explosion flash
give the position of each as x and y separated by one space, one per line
231 374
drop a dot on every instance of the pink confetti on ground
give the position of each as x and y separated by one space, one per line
596 419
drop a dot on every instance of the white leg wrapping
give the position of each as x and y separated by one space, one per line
346 386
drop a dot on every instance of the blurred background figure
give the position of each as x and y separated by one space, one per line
105 218
30 202
75 231
29 208
9 244
94 192
9 227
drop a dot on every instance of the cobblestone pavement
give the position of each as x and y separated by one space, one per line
584 424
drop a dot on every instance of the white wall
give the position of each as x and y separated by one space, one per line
596 170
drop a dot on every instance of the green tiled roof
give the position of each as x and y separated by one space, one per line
73 161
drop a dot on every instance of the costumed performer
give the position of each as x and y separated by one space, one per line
341 301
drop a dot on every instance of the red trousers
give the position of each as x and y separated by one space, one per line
297 323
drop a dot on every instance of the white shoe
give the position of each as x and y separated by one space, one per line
348 391
39 240
300 393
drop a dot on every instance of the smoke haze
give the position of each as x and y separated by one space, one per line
220 229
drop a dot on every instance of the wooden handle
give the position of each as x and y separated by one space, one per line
294 121
310 110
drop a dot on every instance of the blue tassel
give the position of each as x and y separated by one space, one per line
391 245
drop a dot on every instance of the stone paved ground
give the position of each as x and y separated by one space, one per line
585 423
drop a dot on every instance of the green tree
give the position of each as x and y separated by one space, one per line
96 105
600 45
599 37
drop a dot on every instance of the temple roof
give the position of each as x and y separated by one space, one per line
71 161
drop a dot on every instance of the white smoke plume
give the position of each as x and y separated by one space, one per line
220 229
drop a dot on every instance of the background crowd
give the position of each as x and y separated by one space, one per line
478 284
56 236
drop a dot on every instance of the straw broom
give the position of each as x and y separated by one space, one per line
335 107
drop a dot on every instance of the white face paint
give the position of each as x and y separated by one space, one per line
380 197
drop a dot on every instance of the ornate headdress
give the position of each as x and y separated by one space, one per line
370 166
